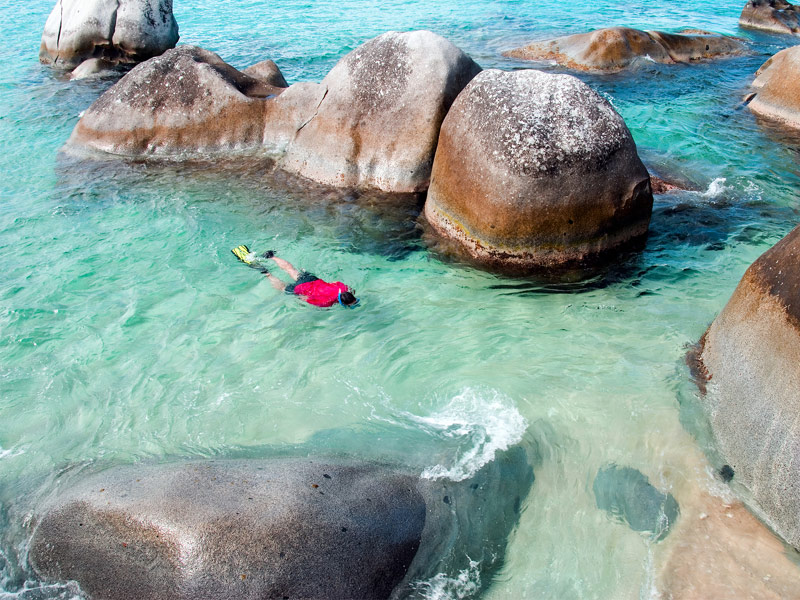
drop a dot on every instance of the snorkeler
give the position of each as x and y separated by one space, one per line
310 287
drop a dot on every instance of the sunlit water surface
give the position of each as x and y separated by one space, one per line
129 332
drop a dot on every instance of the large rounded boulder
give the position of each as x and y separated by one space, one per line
379 119
750 356
616 48
118 31
186 100
777 16
535 170
777 88
273 528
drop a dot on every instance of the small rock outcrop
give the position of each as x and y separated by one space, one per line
777 88
272 528
268 72
186 99
777 16
117 31
373 122
750 357
627 494
534 171
616 48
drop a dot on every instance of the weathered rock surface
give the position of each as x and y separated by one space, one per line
627 494
373 122
119 31
271 528
751 356
268 72
616 48
383 106
187 98
777 16
777 86
536 170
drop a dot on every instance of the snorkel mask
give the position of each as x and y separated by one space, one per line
353 305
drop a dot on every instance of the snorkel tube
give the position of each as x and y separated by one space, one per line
353 305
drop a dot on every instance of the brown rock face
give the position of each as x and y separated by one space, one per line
188 98
777 16
534 171
118 31
380 115
777 86
751 355
616 48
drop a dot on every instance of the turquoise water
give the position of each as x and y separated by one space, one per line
129 332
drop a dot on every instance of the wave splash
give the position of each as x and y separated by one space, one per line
480 423
442 587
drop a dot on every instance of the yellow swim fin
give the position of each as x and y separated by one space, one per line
243 254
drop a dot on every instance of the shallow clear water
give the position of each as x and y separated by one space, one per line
129 332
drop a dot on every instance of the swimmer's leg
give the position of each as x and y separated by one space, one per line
286 266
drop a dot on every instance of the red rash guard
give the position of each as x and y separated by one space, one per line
321 293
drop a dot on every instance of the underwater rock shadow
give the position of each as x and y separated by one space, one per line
701 221
362 221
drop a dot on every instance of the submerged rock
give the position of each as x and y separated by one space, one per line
777 16
751 356
720 550
271 528
187 98
118 31
627 494
777 86
535 171
373 122
616 48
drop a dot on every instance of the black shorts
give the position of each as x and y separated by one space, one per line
303 277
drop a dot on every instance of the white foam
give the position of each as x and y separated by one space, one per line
486 419
442 587
715 188
10 453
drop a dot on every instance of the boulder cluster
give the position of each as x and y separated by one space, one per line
523 171
526 170
107 32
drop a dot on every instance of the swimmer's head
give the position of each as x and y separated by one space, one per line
348 300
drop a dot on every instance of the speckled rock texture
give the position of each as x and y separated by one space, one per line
751 357
535 170
298 529
119 31
274 528
187 99
777 88
777 16
379 120
615 48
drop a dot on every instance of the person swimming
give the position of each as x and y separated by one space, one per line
306 285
